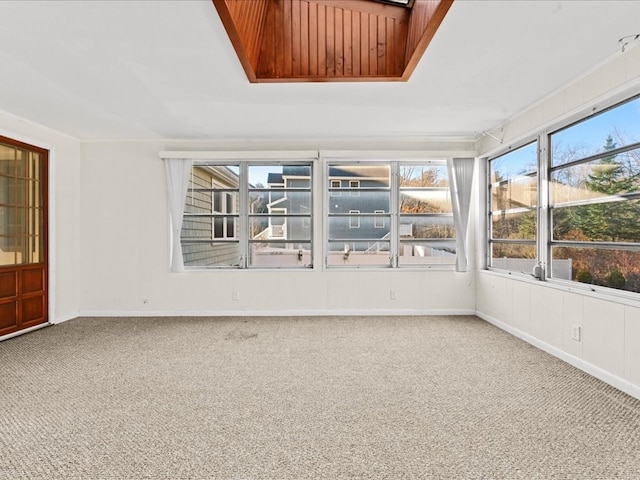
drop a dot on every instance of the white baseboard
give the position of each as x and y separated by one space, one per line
63 318
607 377
278 313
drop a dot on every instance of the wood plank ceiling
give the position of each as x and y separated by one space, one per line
329 40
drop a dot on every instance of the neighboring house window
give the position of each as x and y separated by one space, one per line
225 211
335 186
416 195
354 185
594 198
513 201
354 220
245 215
378 220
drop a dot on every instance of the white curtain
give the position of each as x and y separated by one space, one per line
460 184
178 174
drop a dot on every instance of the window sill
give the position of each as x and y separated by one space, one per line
601 293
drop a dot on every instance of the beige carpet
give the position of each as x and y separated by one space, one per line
304 398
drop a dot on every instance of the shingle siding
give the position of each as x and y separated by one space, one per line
201 228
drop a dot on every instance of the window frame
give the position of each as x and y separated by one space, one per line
545 235
489 240
552 243
318 209
243 216
394 239
223 212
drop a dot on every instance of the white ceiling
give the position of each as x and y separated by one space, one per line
107 70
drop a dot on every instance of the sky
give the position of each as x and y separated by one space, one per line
586 137
591 134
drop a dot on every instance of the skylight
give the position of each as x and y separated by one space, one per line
320 40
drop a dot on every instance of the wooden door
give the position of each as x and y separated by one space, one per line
23 236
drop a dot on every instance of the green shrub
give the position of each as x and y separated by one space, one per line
584 276
616 279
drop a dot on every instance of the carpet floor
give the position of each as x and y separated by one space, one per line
304 398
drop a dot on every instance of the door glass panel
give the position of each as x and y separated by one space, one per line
21 164
7 221
7 250
20 197
34 166
7 159
6 189
21 206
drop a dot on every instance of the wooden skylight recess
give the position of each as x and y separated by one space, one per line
330 40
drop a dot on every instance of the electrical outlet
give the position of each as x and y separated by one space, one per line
235 295
392 295
576 332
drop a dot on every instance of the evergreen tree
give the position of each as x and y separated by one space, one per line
615 220
609 176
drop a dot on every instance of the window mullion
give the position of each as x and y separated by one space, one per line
394 206
544 218
244 215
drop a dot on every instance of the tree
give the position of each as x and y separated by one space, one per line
421 177
614 220
609 175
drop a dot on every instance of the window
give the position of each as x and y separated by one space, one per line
587 227
230 211
224 226
513 200
335 188
378 220
352 238
426 229
246 214
398 214
354 219
594 176
211 213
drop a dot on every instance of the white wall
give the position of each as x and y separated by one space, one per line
543 313
125 269
64 211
